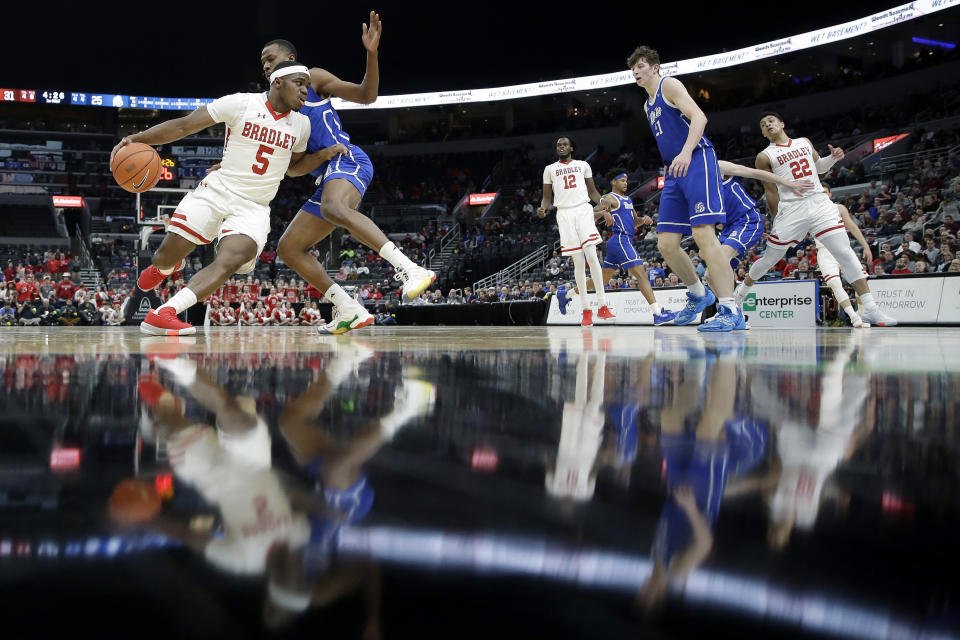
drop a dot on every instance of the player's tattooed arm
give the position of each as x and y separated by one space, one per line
769 189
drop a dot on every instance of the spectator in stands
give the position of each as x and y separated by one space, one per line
946 257
65 288
454 298
803 271
111 315
10 273
469 296
27 314
908 244
949 225
902 266
792 265
8 314
921 266
89 315
954 266
889 262
48 313
386 314
69 314
878 270
931 251
657 282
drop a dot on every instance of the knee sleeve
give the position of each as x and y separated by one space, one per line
839 247
770 257
838 291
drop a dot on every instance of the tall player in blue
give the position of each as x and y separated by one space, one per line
341 183
619 251
691 198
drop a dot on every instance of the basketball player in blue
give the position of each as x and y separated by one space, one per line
743 228
620 252
691 200
341 183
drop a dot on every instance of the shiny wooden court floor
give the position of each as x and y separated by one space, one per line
478 482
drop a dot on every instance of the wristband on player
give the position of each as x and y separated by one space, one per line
825 164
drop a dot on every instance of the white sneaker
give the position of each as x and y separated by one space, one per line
739 295
346 318
413 398
347 357
860 324
415 281
877 318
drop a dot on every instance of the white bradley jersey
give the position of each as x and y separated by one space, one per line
794 161
569 181
259 144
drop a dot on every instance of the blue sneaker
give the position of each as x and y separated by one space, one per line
694 306
663 317
725 320
562 299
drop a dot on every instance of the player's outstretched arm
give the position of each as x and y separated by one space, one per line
733 169
603 208
676 93
825 164
773 196
169 131
325 83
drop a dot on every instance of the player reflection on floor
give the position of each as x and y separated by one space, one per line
272 524
699 457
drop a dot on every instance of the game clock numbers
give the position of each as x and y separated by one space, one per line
167 167
53 97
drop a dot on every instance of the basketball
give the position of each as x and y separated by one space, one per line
136 167
134 501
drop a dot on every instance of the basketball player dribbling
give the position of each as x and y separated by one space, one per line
811 212
341 184
568 184
691 200
266 139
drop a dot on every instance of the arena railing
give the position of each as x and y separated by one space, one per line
536 258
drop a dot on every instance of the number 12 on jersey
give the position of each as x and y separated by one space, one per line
570 181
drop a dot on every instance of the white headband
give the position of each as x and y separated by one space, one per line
285 71
288 599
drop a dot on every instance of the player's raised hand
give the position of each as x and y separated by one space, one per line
678 168
835 153
799 186
124 142
371 34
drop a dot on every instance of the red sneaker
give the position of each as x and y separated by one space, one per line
165 323
605 314
150 278
587 318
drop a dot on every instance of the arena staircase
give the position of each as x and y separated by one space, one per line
533 260
91 278
448 243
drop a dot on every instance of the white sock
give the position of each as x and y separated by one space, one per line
697 289
867 301
338 296
728 304
655 306
852 314
392 254
181 301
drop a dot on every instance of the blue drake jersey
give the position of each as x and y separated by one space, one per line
736 202
670 127
623 220
325 127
